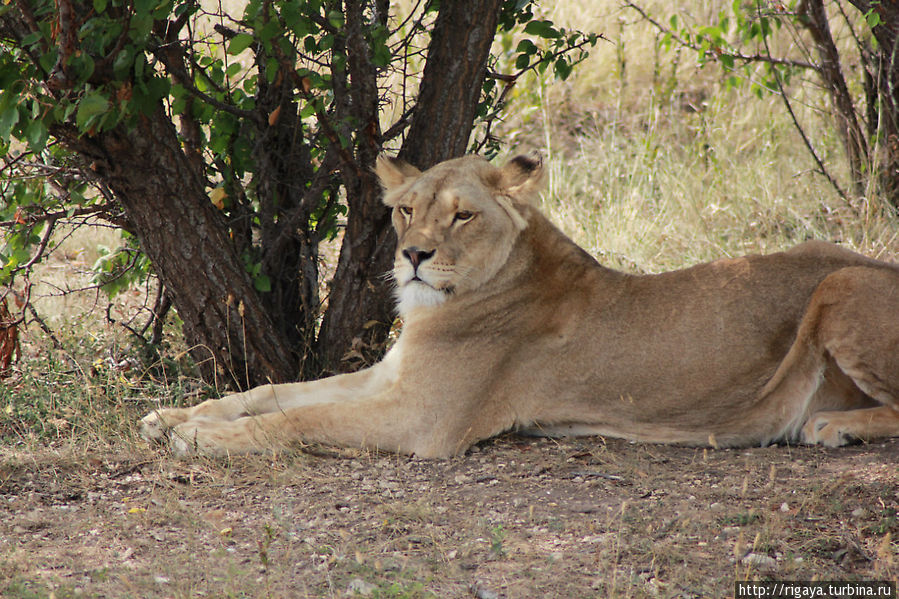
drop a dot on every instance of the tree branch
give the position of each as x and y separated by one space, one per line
767 58
187 84
805 139
54 216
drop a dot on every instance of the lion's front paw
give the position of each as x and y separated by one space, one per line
185 440
825 428
216 438
155 425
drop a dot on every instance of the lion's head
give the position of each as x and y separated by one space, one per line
456 223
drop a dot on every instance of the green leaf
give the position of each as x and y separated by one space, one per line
143 6
269 31
542 29
526 47
141 24
523 61
233 69
295 20
122 63
31 39
262 284
90 106
562 68
335 18
82 65
712 32
8 120
36 133
271 70
381 56
872 18
99 5
239 43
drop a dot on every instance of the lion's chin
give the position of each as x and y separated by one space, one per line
418 294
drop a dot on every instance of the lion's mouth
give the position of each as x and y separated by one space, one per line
448 290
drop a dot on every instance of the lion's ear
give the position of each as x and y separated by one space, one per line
522 177
394 172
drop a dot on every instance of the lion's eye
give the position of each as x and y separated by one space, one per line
406 210
463 216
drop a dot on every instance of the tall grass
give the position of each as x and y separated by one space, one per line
654 164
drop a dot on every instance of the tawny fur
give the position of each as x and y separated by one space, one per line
510 325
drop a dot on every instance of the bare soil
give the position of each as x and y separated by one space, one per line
516 518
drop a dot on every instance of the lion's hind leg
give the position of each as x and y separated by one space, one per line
834 429
858 329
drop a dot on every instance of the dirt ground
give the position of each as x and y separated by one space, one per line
514 518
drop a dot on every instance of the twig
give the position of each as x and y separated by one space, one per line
735 55
333 137
405 22
42 246
161 306
54 216
511 80
192 89
398 127
56 342
594 474
805 139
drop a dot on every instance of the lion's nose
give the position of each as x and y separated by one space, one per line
416 256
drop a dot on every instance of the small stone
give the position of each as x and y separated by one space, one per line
358 586
760 561
593 539
859 513
483 592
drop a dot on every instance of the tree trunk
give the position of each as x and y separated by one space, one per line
289 248
815 20
360 308
452 81
255 337
227 327
359 312
885 80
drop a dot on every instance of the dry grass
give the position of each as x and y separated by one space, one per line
653 166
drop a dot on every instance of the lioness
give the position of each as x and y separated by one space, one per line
510 325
